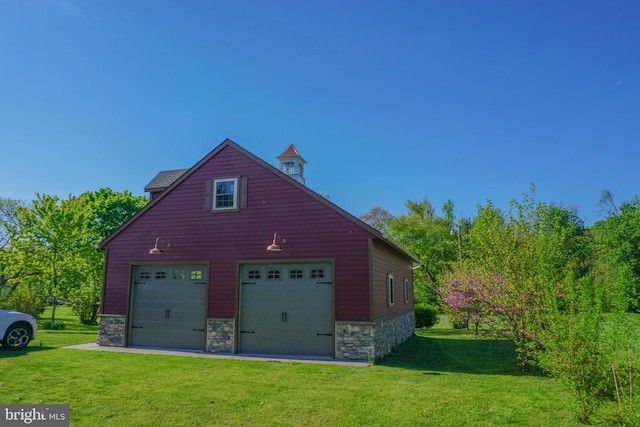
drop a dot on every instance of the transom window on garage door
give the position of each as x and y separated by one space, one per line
196 274
296 273
175 274
273 274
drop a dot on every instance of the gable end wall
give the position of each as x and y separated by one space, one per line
312 229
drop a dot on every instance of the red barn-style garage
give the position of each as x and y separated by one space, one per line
235 255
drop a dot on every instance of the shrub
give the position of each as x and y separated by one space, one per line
426 315
54 325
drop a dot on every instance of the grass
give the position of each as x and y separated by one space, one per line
440 377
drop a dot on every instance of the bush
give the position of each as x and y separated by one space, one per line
459 320
54 325
426 315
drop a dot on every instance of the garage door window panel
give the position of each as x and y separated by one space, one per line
274 274
296 274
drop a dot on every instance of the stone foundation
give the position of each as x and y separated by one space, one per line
354 340
111 330
220 335
373 340
390 333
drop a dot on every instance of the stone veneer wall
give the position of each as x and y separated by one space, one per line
354 340
390 333
111 330
372 340
220 335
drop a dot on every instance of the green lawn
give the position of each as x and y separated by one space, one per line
441 377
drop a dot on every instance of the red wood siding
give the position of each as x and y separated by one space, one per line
312 230
387 261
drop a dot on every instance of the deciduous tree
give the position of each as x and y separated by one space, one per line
428 236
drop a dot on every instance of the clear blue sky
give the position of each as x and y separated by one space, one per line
388 101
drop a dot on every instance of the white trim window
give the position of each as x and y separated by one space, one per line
390 299
225 194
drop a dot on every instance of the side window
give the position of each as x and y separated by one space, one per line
390 301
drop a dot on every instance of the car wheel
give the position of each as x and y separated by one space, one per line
17 337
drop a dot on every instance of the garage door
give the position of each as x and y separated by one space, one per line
286 309
168 306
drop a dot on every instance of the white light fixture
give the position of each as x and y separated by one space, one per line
274 246
156 250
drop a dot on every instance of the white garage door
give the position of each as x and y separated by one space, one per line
286 309
168 306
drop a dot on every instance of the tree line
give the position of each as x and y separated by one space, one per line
49 249
565 294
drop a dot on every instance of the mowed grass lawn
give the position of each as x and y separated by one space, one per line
441 377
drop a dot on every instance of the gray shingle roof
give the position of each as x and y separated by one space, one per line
164 179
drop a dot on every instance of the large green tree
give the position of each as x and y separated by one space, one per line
44 247
8 218
619 243
429 237
106 210
52 251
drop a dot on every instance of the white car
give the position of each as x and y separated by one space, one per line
16 329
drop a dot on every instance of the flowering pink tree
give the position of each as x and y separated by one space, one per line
466 299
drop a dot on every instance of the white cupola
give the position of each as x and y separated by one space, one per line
292 163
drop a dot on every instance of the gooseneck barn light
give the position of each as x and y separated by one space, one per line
156 250
274 246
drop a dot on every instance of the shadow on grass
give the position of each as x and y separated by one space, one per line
32 348
447 351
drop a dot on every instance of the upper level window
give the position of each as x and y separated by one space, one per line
225 193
